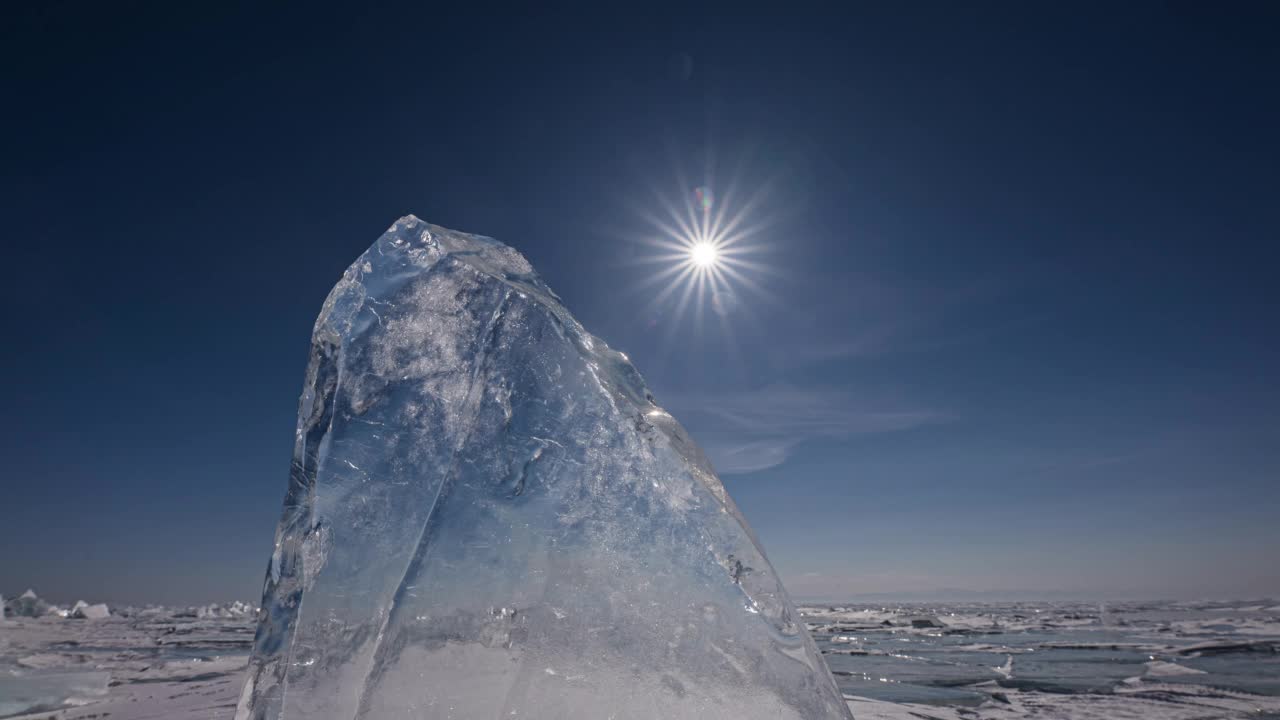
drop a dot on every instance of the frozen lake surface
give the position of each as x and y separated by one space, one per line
1062 660
973 661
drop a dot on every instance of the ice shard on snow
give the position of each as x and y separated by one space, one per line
489 516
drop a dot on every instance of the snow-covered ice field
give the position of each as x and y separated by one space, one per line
1010 660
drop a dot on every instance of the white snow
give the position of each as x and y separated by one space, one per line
1160 668
1005 670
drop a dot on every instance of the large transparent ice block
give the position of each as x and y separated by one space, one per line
488 516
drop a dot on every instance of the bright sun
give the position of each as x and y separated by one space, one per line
705 248
703 254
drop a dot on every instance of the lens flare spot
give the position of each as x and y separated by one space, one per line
705 198
724 301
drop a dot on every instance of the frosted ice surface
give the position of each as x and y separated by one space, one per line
488 516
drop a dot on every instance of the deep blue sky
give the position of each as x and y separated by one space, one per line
1018 331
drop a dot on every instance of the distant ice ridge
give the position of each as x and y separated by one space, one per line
489 516
85 611
30 605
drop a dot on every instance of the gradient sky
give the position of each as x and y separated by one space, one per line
1016 330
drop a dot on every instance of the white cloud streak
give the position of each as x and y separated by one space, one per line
749 431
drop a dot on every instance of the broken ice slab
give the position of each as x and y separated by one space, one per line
24 692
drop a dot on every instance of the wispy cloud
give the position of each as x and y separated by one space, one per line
747 455
753 430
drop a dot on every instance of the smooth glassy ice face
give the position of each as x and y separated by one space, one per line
489 517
